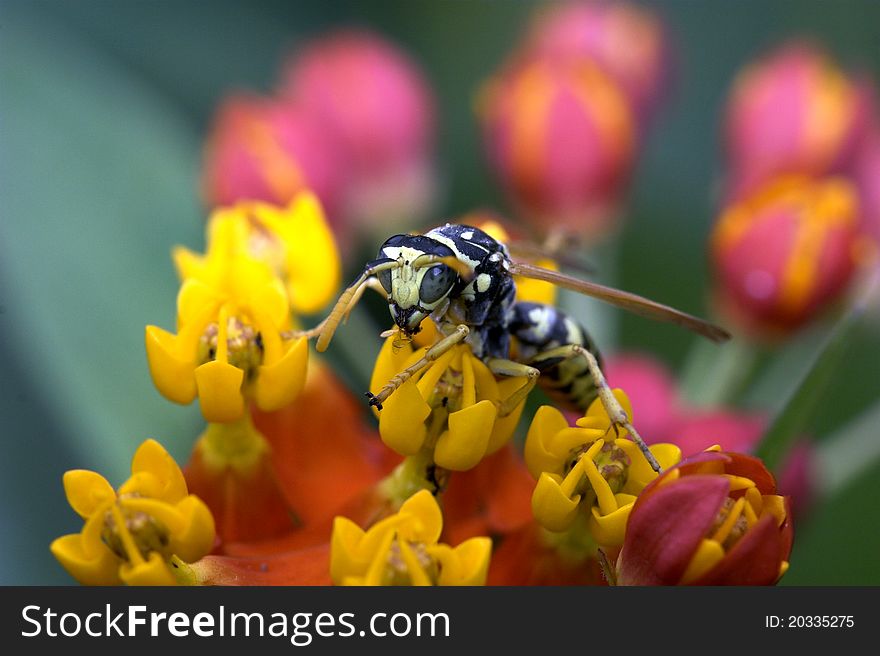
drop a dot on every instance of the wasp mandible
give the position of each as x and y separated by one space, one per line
462 279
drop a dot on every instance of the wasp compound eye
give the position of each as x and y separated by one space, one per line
436 283
385 280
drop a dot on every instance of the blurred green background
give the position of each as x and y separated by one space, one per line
103 108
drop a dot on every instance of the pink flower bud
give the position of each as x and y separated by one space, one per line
793 111
373 99
867 178
261 149
627 41
561 139
651 390
785 252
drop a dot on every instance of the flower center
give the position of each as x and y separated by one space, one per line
244 346
730 523
132 534
402 557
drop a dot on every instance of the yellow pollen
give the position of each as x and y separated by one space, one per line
417 575
729 522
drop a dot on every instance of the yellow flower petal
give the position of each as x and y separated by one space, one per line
153 458
89 569
707 555
423 507
552 508
196 301
278 384
390 362
86 491
504 427
464 444
401 422
345 556
196 537
153 571
219 388
546 423
609 530
172 373
313 266
640 472
187 263
467 564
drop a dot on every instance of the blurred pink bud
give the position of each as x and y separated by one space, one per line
798 479
373 99
792 111
560 137
785 253
651 390
695 431
867 178
261 149
627 41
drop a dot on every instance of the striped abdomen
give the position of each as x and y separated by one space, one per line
542 334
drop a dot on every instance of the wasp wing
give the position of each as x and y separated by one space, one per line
532 252
632 302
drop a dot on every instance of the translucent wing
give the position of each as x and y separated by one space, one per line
632 302
532 252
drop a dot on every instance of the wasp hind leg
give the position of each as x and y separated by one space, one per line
502 367
618 416
432 354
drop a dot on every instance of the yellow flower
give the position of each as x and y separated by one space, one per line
295 242
232 312
403 550
133 535
450 407
583 467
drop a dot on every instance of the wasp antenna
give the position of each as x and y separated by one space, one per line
625 300
462 269
347 300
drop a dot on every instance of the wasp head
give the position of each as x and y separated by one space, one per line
418 284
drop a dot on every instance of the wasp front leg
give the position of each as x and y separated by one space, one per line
432 354
502 367
616 413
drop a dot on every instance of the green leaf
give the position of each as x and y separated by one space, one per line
805 400
98 180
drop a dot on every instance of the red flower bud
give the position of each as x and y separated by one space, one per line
714 519
785 253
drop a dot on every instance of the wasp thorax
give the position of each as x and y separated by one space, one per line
244 344
138 530
401 557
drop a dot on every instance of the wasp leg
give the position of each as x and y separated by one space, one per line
502 367
431 354
615 411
